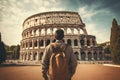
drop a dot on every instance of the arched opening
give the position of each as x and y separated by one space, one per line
35 43
53 40
35 56
37 32
75 31
95 55
26 44
48 31
47 42
81 31
54 29
89 56
30 43
93 42
75 42
41 43
76 55
32 33
42 31
88 42
41 55
69 42
69 31
82 55
30 56
100 55
82 42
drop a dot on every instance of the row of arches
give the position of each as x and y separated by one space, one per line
89 56
71 42
82 56
51 31
31 56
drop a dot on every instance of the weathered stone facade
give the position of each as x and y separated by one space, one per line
39 29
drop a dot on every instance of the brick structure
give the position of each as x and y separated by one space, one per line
39 29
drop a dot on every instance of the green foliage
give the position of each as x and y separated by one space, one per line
2 53
14 49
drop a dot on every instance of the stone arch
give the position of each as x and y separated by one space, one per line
69 31
37 32
93 42
48 31
95 55
82 55
82 42
30 56
88 42
48 42
42 31
75 31
41 43
100 55
26 44
76 55
41 55
75 42
54 29
35 43
69 42
35 56
89 56
30 43
32 33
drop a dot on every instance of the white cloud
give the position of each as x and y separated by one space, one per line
86 13
15 12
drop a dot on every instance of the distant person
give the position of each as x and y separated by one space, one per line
58 62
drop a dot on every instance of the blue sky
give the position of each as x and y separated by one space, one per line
96 14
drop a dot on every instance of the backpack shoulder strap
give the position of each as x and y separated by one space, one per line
53 45
66 46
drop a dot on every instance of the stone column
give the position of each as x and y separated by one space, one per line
21 57
86 55
98 57
79 55
91 43
72 30
51 29
32 55
38 57
65 31
39 32
72 43
92 55
79 43
85 41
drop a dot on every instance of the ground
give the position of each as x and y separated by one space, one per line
83 72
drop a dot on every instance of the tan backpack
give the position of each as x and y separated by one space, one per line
58 69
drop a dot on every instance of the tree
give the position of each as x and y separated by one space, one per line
115 42
16 52
2 52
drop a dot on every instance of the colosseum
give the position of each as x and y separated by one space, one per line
39 31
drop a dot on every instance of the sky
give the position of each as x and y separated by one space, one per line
96 14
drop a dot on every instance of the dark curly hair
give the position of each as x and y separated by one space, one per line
59 34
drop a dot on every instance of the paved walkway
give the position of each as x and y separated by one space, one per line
84 72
